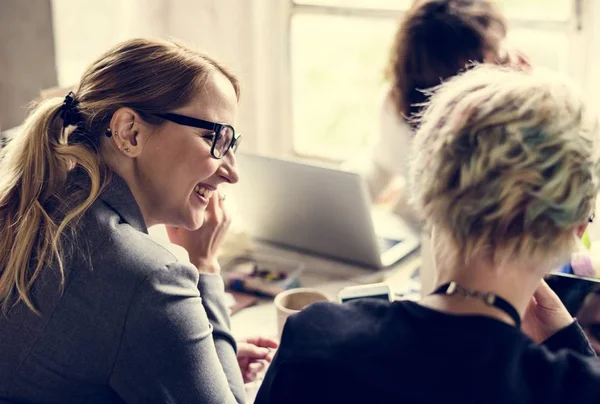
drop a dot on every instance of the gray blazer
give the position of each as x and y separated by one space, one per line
133 325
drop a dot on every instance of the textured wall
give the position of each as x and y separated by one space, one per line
27 61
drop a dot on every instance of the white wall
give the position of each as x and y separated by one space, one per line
592 69
84 29
234 31
27 61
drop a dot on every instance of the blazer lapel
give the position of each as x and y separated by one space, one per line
118 196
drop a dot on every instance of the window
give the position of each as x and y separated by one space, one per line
339 50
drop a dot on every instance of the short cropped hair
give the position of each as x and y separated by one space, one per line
507 162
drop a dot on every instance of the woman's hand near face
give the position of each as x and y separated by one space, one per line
203 244
545 315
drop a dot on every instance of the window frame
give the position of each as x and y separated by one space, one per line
277 137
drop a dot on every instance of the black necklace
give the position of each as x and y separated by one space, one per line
453 288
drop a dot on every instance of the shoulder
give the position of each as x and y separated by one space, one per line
132 278
333 329
360 308
117 247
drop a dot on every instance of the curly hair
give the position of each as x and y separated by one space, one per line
506 163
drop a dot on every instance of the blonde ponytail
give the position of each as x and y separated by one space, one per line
33 172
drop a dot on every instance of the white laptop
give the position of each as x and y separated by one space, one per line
317 209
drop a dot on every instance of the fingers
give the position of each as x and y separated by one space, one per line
257 367
213 214
253 370
249 377
258 348
263 342
253 360
217 214
544 296
251 351
226 217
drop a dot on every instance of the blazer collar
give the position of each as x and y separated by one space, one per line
119 197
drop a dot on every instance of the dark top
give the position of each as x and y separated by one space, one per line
133 324
370 351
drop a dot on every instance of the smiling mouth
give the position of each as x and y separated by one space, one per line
203 191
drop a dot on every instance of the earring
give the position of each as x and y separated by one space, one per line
109 133
127 150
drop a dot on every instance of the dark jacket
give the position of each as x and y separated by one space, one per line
370 351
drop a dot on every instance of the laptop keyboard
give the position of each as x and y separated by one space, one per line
385 244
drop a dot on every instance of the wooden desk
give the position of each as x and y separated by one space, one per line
326 275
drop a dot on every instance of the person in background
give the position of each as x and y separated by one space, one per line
93 309
435 40
506 170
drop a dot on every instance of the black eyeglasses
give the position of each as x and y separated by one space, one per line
223 137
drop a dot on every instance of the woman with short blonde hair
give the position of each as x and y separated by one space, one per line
506 171
516 163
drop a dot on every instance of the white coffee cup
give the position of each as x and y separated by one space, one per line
292 301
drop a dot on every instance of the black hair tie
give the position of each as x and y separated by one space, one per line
69 111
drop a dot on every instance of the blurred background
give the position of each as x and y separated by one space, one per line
312 70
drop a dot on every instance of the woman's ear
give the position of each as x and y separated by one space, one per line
129 131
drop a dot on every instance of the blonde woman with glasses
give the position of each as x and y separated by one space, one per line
506 171
94 310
